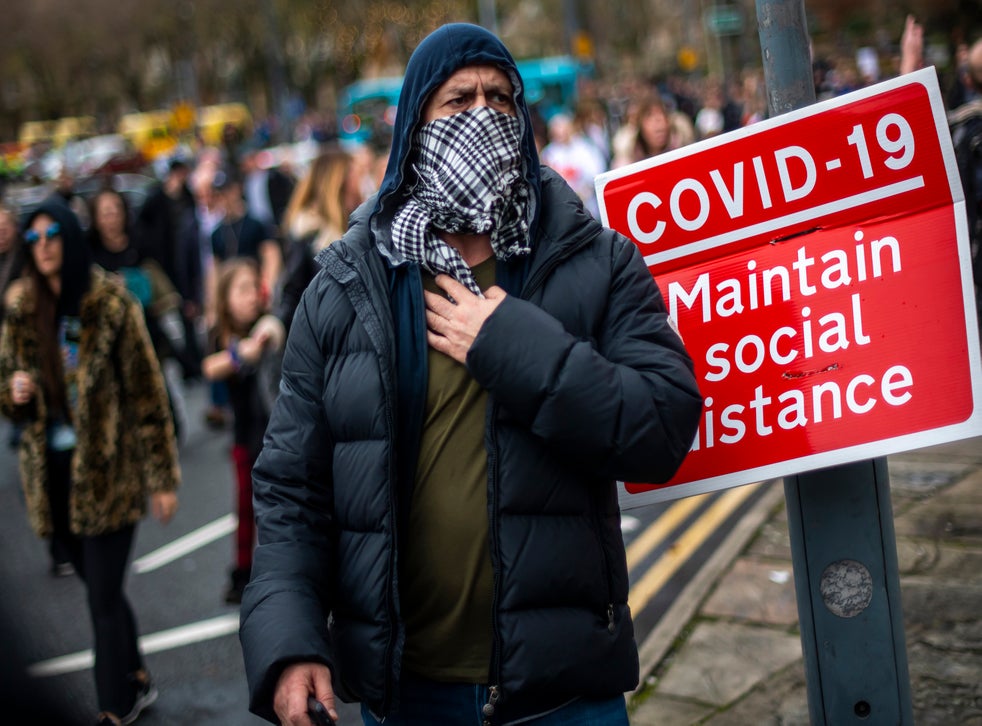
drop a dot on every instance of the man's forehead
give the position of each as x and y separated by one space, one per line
469 75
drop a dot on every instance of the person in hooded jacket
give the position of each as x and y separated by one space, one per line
474 367
79 374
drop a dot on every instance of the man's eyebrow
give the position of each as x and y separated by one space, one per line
499 87
460 88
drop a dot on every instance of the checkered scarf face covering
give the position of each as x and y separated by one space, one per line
469 171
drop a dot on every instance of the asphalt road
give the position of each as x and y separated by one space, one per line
187 632
179 604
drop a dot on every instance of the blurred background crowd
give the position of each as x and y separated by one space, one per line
99 87
184 135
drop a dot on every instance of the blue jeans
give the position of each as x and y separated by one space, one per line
428 703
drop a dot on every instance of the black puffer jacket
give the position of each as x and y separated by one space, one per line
587 383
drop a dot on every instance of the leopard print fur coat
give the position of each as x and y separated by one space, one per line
126 447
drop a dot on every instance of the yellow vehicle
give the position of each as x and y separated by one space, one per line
57 132
73 127
213 119
36 132
150 132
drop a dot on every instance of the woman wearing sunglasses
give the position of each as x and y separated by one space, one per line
78 371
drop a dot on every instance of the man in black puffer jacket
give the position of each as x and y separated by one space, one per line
475 366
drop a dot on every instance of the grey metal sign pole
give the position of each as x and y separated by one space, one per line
844 552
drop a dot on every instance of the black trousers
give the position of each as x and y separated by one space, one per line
101 563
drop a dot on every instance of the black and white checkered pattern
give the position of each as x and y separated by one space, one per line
469 180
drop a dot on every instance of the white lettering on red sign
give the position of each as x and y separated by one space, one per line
817 268
835 268
796 172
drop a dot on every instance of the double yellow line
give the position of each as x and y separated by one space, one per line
682 548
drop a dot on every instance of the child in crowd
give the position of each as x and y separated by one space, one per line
245 345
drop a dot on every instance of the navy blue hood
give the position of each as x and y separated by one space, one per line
442 53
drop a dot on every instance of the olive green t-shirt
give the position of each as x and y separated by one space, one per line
446 578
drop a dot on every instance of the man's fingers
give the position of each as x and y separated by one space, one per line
441 344
296 684
437 303
292 708
290 698
324 691
494 292
453 288
435 321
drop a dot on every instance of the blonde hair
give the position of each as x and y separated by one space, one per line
320 194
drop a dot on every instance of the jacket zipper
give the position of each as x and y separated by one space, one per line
390 680
494 675
598 524
487 710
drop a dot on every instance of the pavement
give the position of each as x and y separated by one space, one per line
729 652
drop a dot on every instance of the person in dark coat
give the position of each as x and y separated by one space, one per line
161 216
267 191
475 366
241 235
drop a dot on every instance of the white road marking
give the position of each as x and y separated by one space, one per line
187 544
153 643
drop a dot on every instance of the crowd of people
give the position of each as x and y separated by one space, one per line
110 313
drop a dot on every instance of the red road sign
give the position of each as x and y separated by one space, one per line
819 270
